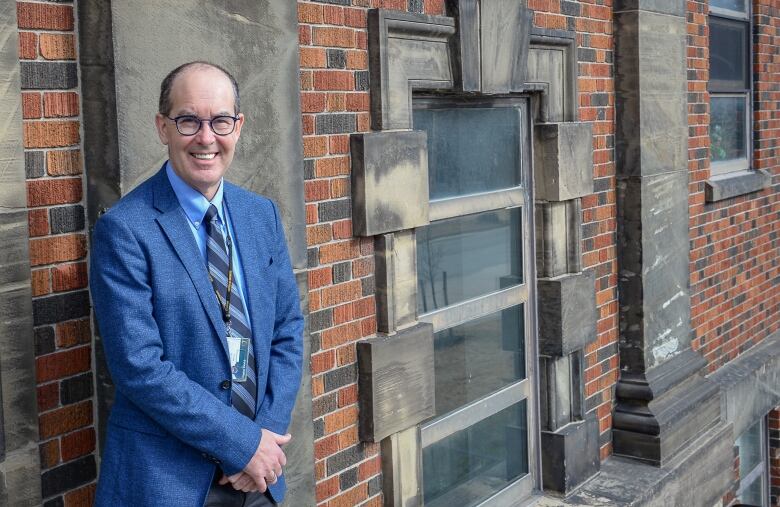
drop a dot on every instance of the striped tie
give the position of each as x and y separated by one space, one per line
244 393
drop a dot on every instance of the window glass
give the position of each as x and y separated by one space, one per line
751 465
479 357
470 465
465 257
470 149
728 117
728 53
732 5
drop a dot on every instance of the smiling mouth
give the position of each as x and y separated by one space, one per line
204 156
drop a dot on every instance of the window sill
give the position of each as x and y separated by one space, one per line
731 185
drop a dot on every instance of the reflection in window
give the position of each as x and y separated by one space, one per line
470 149
752 465
465 257
476 358
728 135
470 465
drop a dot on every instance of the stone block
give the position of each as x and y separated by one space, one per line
389 181
395 280
558 237
395 382
61 307
732 185
669 7
567 313
563 158
570 456
561 391
66 219
552 64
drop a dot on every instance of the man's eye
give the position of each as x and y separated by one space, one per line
222 121
188 121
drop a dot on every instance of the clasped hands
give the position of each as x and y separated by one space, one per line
264 468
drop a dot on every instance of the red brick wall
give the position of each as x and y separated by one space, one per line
735 300
596 104
334 79
58 249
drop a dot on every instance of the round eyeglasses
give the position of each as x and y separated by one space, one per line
189 125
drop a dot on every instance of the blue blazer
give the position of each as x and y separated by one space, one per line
172 425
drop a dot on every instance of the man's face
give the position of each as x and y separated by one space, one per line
201 159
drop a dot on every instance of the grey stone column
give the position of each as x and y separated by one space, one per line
663 401
20 479
126 50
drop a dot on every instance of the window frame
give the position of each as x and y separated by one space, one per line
761 470
716 88
440 427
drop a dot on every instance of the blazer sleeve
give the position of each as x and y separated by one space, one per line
284 370
123 302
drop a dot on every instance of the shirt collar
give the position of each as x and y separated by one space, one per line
193 202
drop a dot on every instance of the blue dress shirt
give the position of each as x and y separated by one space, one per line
195 206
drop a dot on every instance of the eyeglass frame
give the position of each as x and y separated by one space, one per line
200 123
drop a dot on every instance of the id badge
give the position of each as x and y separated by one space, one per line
239 354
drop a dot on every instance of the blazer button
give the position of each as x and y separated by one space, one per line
224 385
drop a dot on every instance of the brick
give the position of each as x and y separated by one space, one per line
44 16
354 496
336 59
339 420
74 332
357 60
54 191
309 13
338 144
31 105
57 46
77 444
362 267
28 45
313 58
341 251
34 164
313 102
319 278
65 419
333 37
317 234
40 282
66 219
355 18
333 80
348 353
48 75
69 277
348 478
62 364
315 146
335 210
38 222
68 476
342 229
57 249
331 166
348 437
346 458
60 307
44 340
63 162
335 337
60 104
342 272
327 488
51 134
348 396
48 396
82 497
336 102
324 404
361 80
357 102
369 468
316 190
49 453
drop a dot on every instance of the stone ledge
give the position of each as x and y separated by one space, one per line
750 384
735 184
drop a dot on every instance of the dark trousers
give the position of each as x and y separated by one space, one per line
226 496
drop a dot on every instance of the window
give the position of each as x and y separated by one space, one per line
753 480
730 86
474 268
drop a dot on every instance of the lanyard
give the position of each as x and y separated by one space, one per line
224 303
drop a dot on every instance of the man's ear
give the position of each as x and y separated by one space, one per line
162 128
239 124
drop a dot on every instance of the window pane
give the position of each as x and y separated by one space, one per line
475 359
732 5
470 465
728 121
465 257
752 494
471 149
749 444
729 53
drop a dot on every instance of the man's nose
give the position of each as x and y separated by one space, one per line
205 135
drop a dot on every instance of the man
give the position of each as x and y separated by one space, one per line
199 314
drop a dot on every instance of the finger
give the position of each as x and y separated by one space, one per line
223 480
283 460
261 486
282 439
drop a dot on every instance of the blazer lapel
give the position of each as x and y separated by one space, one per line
174 224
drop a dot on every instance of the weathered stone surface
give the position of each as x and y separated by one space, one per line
395 280
698 476
489 61
402 468
570 456
389 181
406 51
561 391
19 461
651 93
395 382
732 185
660 6
563 160
247 37
750 384
552 61
654 269
558 237
567 312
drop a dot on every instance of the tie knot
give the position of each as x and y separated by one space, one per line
210 214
